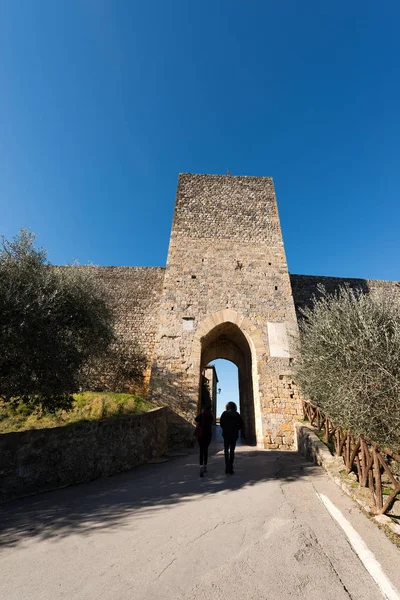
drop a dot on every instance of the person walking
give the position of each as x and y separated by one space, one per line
231 423
203 434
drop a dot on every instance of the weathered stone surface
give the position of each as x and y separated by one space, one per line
395 527
227 273
383 519
310 446
395 509
225 293
43 459
305 287
134 294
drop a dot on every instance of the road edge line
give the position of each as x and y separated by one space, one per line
361 549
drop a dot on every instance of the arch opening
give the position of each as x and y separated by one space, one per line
227 341
227 375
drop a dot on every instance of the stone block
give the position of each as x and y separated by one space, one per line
226 264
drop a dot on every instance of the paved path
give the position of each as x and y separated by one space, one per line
160 532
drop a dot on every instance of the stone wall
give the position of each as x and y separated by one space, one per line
225 293
227 264
134 294
43 459
304 287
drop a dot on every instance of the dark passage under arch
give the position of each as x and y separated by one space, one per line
228 341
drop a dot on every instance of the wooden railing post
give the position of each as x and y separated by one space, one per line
378 480
362 452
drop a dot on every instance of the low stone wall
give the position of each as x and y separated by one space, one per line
43 459
180 431
310 446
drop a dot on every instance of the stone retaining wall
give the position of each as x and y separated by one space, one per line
43 459
310 446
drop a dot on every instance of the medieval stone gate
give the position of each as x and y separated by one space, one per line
225 293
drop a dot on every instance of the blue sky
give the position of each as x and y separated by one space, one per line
103 103
228 383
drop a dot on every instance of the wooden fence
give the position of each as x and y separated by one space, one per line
376 467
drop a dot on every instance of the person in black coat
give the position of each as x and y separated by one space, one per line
231 423
203 434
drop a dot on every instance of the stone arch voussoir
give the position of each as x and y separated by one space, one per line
230 316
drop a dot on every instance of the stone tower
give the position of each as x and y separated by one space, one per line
227 294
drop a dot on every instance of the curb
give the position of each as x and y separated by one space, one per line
311 447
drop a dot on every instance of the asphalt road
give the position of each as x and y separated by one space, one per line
160 532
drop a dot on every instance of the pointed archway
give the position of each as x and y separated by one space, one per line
254 345
227 341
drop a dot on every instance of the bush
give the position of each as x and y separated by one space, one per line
348 361
52 322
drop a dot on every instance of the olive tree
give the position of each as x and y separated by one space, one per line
348 361
52 321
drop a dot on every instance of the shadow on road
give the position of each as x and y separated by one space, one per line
111 502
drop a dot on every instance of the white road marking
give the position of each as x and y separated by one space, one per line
364 554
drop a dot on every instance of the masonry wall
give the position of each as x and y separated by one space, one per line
44 459
226 264
134 294
226 254
305 287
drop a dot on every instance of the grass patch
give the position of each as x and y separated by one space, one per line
321 434
87 406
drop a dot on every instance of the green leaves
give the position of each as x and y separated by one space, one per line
349 361
53 320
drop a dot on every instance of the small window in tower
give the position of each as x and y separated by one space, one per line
193 276
276 287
